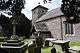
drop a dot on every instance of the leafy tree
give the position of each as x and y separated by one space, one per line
71 8
4 22
11 5
24 24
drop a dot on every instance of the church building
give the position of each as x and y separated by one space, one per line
55 22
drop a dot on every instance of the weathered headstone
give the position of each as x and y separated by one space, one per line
53 50
48 40
33 48
47 43
61 46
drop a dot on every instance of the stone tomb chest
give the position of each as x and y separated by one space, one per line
14 46
61 46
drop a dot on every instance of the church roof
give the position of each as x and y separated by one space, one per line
39 6
41 27
51 14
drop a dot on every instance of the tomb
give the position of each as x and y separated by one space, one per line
61 46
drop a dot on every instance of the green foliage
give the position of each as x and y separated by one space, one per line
5 23
43 50
23 26
71 8
46 50
1 34
11 5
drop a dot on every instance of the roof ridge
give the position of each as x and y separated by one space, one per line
52 13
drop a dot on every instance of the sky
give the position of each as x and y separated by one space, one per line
30 4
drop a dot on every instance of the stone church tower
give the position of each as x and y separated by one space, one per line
37 12
40 28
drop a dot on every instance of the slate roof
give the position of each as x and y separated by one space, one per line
51 14
41 27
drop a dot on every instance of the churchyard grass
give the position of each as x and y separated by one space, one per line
48 49
76 43
43 50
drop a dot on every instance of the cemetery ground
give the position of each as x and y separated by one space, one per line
44 50
48 49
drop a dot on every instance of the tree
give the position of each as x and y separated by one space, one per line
5 22
24 24
71 9
11 5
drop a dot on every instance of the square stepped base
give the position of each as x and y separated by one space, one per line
14 46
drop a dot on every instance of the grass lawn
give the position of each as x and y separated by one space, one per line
43 50
48 49
74 44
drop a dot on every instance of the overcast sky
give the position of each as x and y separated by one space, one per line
30 4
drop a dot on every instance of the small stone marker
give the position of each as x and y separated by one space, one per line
53 50
47 40
61 46
33 48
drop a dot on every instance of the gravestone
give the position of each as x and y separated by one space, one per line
47 43
61 46
53 50
33 48
48 40
14 46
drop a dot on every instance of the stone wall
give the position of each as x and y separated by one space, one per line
54 25
76 29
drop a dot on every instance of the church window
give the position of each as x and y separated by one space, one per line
68 28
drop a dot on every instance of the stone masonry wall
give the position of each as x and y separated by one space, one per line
77 29
54 25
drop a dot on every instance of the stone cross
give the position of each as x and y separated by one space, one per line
14 27
14 36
